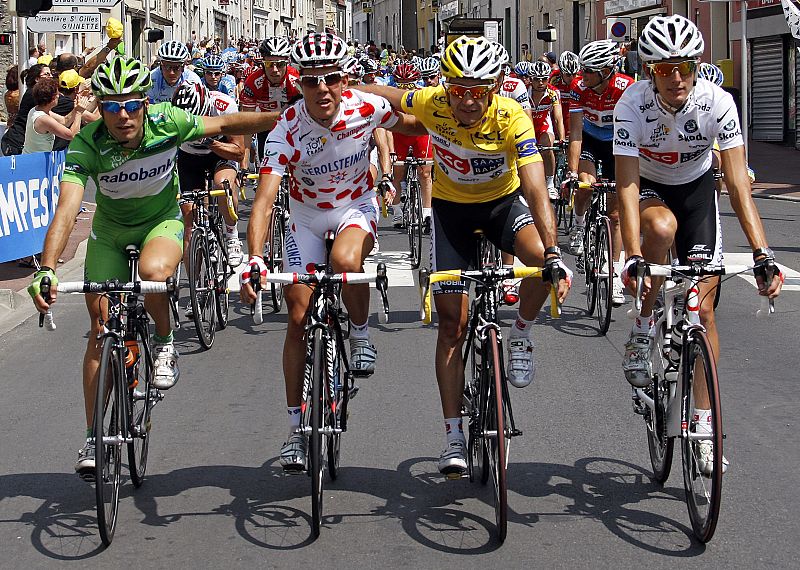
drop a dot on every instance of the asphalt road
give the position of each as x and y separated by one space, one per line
579 493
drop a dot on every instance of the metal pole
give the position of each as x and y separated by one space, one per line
743 82
22 50
147 27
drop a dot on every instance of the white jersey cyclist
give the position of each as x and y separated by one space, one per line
675 149
221 104
515 89
329 169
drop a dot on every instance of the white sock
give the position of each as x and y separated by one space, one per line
702 420
522 328
426 213
454 428
644 325
549 180
359 331
294 418
232 231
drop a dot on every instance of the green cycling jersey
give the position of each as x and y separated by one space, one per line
137 185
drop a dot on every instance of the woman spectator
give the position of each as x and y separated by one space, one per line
14 138
42 125
11 98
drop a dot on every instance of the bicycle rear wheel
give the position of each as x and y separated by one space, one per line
140 404
703 491
109 412
475 406
495 433
222 272
317 441
603 268
659 444
590 267
201 288
414 224
274 254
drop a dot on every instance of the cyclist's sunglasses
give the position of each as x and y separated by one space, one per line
407 85
666 69
475 92
130 106
431 78
590 70
279 64
174 67
214 73
330 79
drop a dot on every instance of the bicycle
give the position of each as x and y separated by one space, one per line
125 392
487 402
209 270
682 355
597 260
328 381
411 204
563 205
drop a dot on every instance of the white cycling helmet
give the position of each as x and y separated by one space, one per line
275 47
501 53
193 98
473 58
352 68
710 72
541 69
670 37
569 63
173 51
318 50
599 54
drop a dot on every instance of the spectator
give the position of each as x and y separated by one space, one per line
43 50
43 125
372 50
33 55
11 98
14 138
550 59
525 53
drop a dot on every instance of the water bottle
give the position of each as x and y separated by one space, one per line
132 362
676 342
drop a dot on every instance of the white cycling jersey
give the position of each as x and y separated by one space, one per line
221 104
329 166
516 90
675 149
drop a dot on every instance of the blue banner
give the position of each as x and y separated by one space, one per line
28 198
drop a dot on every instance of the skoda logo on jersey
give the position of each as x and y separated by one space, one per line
730 125
690 126
623 134
646 107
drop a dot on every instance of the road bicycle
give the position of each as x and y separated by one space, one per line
328 380
125 392
564 204
487 402
209 270
682 357
276 235
411 205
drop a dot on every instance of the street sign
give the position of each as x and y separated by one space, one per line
491 31
67 23
366 7
618 29
87 3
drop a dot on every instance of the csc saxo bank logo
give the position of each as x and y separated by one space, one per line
456 163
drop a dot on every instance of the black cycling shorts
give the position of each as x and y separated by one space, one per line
593 149
696 209
453 241
193 168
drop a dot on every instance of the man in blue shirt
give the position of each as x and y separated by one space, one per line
214 76
171 72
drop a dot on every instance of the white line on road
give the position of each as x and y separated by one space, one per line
791 277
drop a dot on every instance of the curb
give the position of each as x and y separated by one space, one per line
765 196
16 306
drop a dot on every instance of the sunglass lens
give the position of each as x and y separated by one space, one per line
332 79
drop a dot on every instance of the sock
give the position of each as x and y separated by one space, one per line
549 180
232 231
454 428
294 418
426 213
644 325
89 433
522 328
702 420
579 221
163 339
359 331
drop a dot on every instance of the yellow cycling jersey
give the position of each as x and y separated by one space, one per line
476 164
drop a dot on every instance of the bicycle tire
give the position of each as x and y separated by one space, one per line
496 424
109 410
201 289
333 408
476 406
414 224
590 267
274 257
316 439
659 445
140 404
717 293
222 272
703 493
603 255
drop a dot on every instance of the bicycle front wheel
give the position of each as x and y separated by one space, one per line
701 480
275 238
222 272
414 224
109 412
202 282
334 407
590 267
603 268
659 444
495 434
141 395
317 441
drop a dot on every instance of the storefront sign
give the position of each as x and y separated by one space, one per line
612 7
756 4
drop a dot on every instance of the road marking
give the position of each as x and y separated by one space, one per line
791 277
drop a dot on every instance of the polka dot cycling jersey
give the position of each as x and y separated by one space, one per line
598 108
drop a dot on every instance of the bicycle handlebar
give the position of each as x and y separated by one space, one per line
321 277
597 185
199 195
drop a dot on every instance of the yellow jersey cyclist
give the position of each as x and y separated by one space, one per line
488 175
323 142
664 129
129 154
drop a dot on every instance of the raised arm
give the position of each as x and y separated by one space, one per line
391 94
239 124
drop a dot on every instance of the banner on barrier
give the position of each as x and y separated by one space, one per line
28 198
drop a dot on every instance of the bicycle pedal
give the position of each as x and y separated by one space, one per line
456 475
88 477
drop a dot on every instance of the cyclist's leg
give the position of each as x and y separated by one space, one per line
546 138
226 170
160 254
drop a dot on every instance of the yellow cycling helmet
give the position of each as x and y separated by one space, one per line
473 58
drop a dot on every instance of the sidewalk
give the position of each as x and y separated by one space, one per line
777 170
